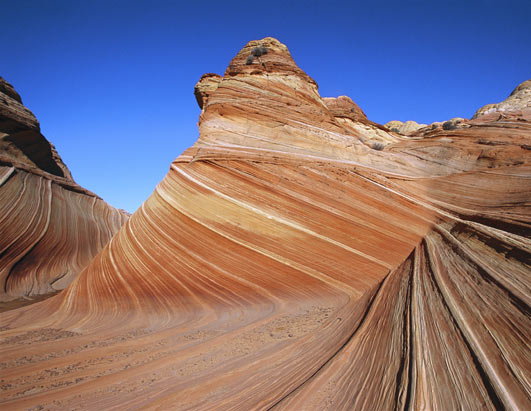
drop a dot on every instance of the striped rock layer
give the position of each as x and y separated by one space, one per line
282 263
50 227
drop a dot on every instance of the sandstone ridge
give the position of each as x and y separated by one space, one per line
50 226
286 263
518 100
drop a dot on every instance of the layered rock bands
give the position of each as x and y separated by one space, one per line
299 257
50 227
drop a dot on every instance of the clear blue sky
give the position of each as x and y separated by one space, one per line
111 82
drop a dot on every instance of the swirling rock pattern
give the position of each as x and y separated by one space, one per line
50 227
283 264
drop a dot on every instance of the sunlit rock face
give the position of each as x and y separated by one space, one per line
284 263
50 227
405 128
413 129
519 100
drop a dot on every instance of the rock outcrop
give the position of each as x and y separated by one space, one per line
282 263
355 122
413 129
404 128
50 226
519 100
21 142
205 87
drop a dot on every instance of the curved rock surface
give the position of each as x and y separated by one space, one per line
283 264
518 100
50 227
355 122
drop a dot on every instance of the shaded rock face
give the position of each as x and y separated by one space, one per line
50 226
20 138
283 263
519 100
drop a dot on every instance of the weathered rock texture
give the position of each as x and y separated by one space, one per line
519 100
205 87
283 264
413 129
405 128
355 122
50 227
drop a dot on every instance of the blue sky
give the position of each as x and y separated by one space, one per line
111 82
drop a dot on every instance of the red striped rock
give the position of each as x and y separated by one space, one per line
50 227
282 263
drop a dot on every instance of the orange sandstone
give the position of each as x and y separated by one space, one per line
283 263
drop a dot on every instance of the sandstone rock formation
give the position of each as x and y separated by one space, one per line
284 264
413 129
519 100
355 122
50 227
405 128
208 83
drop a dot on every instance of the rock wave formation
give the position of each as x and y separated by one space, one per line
285 262
50 227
